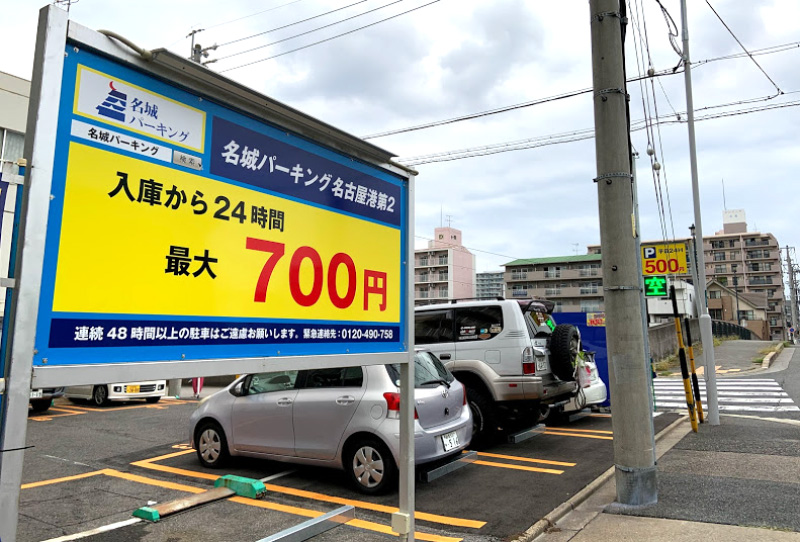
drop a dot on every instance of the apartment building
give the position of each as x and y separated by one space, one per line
747 262
445 270
573 283
489 285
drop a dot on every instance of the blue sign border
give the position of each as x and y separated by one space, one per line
329 337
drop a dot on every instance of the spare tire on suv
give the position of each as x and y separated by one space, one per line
564 347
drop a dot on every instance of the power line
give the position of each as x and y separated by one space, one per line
504 109
744 48
252 14
296 23
587 133
331 38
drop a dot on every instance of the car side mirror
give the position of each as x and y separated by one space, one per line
238 389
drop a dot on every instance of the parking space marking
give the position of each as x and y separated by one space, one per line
573 430
98 530
516 467
312 495
527 459
600 415
48 417
59 480
566 434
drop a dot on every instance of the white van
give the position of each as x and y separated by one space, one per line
151 391
510 354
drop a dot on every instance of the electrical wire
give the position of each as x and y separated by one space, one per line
744 48
504 109
580 135
302 33
252 14
330 38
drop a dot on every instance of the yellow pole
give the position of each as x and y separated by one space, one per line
695 384
687 387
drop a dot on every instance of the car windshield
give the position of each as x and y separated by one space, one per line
428 371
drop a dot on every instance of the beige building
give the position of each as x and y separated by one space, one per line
445 270
726 303
747 261
574 283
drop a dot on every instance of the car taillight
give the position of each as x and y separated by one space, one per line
529 368
393 405
528 361
464 388
527 355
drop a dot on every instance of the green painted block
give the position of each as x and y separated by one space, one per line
243 487
147 513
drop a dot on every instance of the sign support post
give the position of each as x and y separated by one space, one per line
45 88
263 239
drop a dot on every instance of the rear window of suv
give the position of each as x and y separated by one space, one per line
428 371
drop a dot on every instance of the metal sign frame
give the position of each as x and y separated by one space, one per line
187 75
55 33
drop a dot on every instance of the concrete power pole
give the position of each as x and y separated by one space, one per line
634 454
792 292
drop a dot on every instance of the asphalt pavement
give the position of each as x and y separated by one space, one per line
736 481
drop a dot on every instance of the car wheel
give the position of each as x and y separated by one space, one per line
370 467
100 395
211 444
41 405
551 416
484 416
564 346
153 399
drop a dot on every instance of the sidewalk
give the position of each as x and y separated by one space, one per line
739 481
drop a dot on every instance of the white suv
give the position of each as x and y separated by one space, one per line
510 354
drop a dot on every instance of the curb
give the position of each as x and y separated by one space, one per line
550 520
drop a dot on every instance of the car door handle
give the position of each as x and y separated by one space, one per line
284 401
444 356
345 400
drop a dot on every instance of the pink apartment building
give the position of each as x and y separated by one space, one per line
445 270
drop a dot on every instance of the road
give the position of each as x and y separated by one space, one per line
90 467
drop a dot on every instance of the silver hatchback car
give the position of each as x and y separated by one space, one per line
346 418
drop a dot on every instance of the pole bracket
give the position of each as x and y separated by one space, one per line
616 288
618 174
603 14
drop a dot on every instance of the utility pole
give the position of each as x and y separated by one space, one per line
706 335
792 291
628 372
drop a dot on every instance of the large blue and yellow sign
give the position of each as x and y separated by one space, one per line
182 229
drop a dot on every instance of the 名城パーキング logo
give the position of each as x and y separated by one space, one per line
114 104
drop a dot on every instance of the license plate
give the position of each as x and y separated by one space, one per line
450 441
131 389
541 365
36 394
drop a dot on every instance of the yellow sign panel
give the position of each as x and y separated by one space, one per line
664 259
180 244
596 319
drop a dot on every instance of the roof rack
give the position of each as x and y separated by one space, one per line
460 299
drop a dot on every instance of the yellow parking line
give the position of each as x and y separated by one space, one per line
527 459
572 430
446 520
517 467
599 415
59 480
577 435
48 417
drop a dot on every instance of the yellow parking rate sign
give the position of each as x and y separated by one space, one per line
664 259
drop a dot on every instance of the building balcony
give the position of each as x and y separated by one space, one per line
519 293
573 291
538 276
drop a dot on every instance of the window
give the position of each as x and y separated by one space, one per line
442 260
747 315
519 274
478 323
732 243
552 272
589 270
714 294
433 327
719 256
559 306
716 314
443 292
344 377
267 382
428 371
717 244
11 146
590 305
734 255
588 288
519 290
552 290
423 261
720 268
